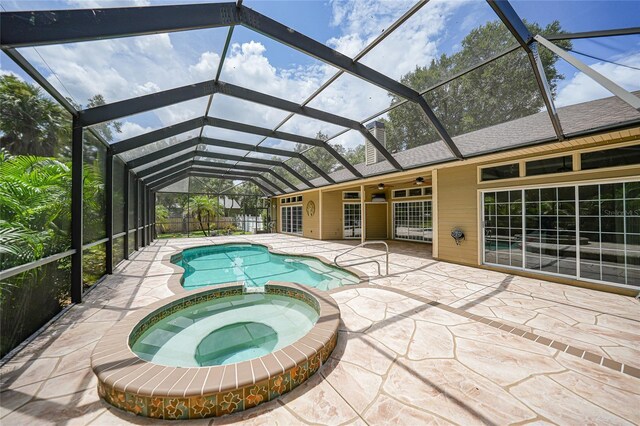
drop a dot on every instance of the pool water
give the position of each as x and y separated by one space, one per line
225 331
255 266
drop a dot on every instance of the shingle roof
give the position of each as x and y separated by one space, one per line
514 134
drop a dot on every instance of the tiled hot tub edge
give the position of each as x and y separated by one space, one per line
146 389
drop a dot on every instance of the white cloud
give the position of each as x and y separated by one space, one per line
130 130
124 68
206 67
247 65
581 88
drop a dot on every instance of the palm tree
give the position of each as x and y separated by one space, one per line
202 206
31 123
35 206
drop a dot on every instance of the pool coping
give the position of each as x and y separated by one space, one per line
152 390
175 281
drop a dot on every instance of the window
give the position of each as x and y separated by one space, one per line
412 221
506 171
351 195
291 219
625 156
412 192
589 231
352 225
549 165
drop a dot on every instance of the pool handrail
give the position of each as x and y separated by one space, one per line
366 243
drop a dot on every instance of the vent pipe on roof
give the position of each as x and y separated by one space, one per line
372 156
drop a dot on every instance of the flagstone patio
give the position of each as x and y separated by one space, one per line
433 342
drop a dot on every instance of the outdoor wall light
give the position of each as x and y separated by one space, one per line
457 235
380 186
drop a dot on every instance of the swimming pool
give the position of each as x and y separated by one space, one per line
225 331
255 266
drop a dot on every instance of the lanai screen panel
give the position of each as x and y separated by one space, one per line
231 135
155 146
182 186
459 56
125 68
145 122
245 112
441 39
616 58
262 64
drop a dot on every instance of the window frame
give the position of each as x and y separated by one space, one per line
576 184
289 227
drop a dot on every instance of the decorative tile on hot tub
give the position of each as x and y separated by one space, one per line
155 407
279 385
256 394
202 406
314 363
176 408
229 402
136 404
299 374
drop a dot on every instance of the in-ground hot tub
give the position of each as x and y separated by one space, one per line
216 351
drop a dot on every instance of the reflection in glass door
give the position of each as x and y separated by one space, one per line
352 220
588 231
412 221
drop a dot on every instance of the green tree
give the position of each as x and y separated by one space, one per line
203 207
318 156
162 218
34 204
355 155
31 123
500 91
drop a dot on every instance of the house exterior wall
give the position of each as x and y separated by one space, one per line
332 220
457 196
457 207
311 224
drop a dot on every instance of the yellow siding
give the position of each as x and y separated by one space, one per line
457 190
311 224
332 215
458 203
457 207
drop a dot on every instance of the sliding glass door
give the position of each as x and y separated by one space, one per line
589 231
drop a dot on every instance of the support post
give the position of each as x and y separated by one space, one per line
127 178
143 215
149 222
136 211
362 215
108 189
76 211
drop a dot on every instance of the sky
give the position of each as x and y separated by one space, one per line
124 68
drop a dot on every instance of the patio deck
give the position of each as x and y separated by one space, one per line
462 345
